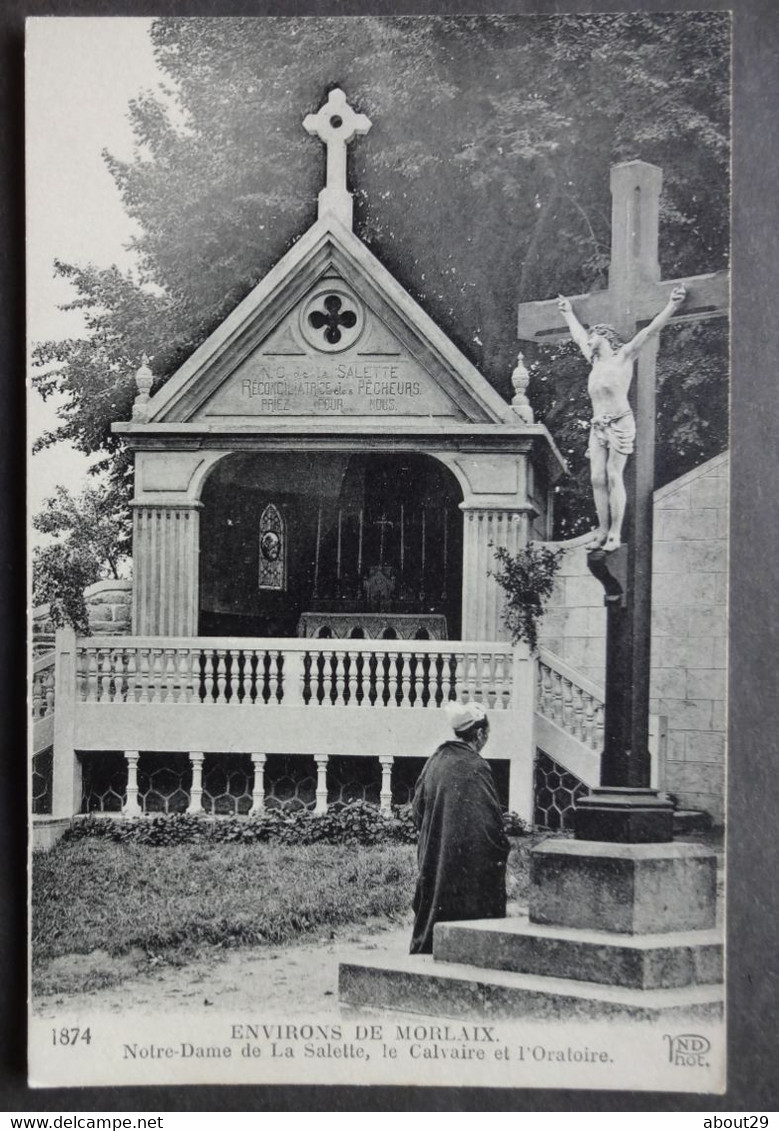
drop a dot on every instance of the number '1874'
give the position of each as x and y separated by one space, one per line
70 1036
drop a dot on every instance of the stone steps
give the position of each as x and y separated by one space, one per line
642 962
420 984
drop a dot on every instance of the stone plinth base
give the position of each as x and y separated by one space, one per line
625 888
648 962
624 816
420 984
46 831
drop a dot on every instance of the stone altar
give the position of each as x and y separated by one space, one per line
373 626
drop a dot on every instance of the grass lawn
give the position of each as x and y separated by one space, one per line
172 903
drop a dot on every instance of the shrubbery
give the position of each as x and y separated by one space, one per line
359 823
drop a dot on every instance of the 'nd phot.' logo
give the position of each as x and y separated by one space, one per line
688 1050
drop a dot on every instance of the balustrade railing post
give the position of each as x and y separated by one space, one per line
292 677
131 807
385 797
66 769
523 681
258 788
321 783
196 760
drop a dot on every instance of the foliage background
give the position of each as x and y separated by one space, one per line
483 183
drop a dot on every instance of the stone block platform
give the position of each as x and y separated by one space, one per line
421 984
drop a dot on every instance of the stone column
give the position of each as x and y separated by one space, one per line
385 797
258 789
196 760
131 807
321 783
484 530
165 569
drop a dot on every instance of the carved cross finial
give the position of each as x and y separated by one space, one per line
336 124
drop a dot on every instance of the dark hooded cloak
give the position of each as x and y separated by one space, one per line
462 844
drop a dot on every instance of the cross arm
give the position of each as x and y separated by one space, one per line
543 322
708 296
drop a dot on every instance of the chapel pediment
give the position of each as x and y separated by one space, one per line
332 355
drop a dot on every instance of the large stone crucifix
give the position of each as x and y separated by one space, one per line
625 808
336 124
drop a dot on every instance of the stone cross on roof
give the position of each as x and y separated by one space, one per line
336 124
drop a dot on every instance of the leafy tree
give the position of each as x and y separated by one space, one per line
59 578
484 182
91 539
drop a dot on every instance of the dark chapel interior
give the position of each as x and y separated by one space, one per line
287 533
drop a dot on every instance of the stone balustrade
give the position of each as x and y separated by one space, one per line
566 698
355 674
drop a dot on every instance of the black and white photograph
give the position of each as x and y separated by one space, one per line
378 505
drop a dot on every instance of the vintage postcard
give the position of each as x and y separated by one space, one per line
378 497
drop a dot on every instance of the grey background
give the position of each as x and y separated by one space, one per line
754 637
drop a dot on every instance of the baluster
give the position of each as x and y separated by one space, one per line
544 688
37 697
170 674
340 676
589 720
221 676
405 679
578 713
488 668
92 675
48 683
548 699
157 665
131 694
460 676
449 689
184 692
419 677
122 670
104 666
474 687
392 678
566 705
241 676
304 677
278 676
145 665
557 697
208 675
356 670
599 711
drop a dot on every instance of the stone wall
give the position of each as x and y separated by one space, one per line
689 627
109 605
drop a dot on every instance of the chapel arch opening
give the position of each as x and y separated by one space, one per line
292 543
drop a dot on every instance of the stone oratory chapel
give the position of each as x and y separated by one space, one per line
327 462
319 492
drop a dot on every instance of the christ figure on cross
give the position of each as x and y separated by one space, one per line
613 428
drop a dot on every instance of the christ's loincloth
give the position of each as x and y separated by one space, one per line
616 433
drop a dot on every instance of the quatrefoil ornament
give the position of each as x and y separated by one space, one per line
332 319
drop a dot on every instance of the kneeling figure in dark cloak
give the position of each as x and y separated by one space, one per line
462 844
